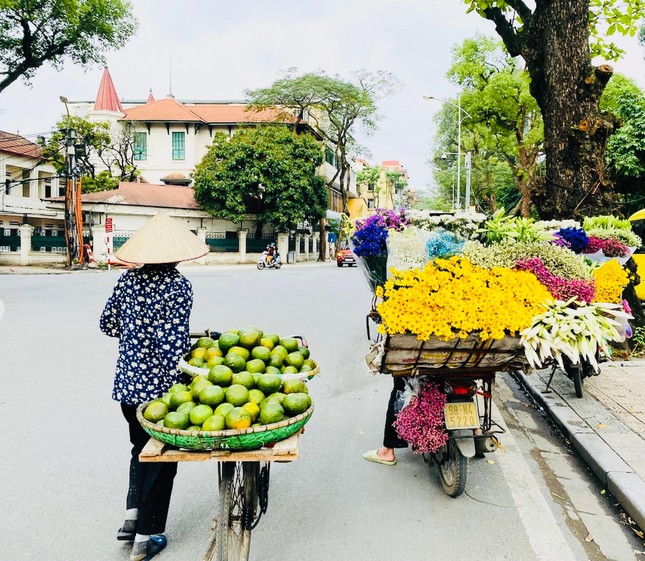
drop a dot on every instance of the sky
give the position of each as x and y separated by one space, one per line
200 49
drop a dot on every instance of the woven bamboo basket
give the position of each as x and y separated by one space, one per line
236 439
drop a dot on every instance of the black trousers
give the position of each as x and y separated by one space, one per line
390 438
150 483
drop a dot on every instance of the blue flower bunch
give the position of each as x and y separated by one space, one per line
370 236
574 238
443 244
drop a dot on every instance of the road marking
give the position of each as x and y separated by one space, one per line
541 528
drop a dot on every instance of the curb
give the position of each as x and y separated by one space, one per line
614 473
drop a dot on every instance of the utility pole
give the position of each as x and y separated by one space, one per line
73 212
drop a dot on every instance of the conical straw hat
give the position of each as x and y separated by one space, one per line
162 240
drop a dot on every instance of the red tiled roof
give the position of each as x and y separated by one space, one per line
168 109
237 113
19 145
106 98
145 194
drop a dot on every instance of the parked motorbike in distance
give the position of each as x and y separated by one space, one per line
275 263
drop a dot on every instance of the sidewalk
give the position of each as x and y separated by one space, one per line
606 426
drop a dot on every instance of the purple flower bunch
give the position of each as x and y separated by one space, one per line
611 247
370 234
560 288
574 238
420 423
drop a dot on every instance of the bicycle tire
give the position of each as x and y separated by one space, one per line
238 500
576 374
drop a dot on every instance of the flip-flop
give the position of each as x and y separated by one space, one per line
372 456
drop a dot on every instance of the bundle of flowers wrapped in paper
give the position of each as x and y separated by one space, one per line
370 242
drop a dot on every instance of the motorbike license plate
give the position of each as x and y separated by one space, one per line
461 415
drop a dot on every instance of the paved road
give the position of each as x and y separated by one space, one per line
64 455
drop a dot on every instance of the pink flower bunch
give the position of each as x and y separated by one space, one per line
560 288
611 247
420 423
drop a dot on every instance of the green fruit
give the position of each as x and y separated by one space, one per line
205 342
197 388
266 342
220 375
256 396
280 350
252 409
294 359
255 365
212 395
275 339
272 370
235 362
178 387
272 412
289 370
240 351
250 338
194 428
304 351
159 423
269 383
200 413
213 423
296 403
178 397
237 395
261 352
306 368
227 340
238 418
176 420
196 361
309 362
245 379
155 411
293 386
186 407
289 343
166 399
224 409
214 361
276 360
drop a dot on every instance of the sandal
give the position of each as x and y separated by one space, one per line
372 456
144 551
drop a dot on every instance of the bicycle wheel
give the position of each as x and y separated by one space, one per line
576 374
453 469
238 500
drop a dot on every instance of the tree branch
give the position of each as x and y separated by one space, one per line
505 30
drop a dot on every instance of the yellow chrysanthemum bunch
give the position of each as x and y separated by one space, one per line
452 298
610 281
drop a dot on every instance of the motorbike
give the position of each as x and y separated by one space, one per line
275 263
471 430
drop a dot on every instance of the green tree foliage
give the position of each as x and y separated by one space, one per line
269 171
502 127
335 106
33 33
626 147
95 145
553 38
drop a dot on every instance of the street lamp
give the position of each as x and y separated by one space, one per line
459 120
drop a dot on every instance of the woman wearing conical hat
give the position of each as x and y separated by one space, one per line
149 312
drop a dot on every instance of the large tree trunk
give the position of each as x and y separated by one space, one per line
567 89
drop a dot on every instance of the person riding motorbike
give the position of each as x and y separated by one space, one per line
267 255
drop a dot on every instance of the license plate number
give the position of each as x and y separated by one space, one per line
462 415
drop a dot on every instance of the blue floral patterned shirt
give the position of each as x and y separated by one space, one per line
148 311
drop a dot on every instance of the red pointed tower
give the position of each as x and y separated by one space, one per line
151 98
106 98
